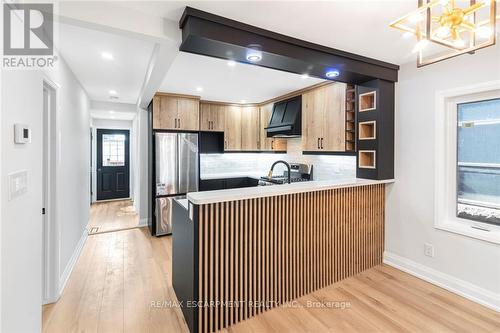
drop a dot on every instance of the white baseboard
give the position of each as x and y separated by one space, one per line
72 261
143 222
448 282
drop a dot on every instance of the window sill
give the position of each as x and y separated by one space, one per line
466 229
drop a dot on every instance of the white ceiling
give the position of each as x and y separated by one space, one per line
356 26
112 110
82 48
221 82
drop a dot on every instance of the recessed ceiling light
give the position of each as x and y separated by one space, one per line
199 88
107 56
111 111
231 63
254 57
333 73
243 101
112 92
304 76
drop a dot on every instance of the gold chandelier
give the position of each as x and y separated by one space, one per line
446 29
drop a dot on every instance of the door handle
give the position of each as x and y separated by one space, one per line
321 143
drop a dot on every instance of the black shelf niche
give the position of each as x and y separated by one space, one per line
375 157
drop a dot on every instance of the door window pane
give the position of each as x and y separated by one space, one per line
478 156
113 150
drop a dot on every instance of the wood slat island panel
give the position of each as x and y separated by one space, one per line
258 253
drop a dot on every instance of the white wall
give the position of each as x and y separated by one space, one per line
141 171
466 265
73 166
21 220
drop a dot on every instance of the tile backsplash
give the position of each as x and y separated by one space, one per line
325 166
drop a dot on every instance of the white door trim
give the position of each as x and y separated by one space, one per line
51 227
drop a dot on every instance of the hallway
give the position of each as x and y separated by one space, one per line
111 216
110 290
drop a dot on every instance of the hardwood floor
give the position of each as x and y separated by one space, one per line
122 283
112 215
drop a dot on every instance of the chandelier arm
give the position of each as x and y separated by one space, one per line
467 25
473 8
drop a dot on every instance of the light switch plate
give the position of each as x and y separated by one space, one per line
18 184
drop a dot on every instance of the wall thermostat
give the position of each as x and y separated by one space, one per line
22 133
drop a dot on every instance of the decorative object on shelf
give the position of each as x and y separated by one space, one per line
446 28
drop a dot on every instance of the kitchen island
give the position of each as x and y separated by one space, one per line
258 247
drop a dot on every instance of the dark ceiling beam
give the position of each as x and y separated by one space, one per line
216 36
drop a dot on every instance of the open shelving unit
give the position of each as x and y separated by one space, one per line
367 130
367 159
350 118
368 101
375 130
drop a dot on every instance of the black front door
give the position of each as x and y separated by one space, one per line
113 167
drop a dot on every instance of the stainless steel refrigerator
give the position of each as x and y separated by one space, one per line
176 172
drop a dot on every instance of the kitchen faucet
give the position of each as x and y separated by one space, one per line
270 174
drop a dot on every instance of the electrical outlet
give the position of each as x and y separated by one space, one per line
429 250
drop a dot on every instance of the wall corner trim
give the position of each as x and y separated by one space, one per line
143 223
463 288
72 262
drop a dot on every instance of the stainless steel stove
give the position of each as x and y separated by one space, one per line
299 172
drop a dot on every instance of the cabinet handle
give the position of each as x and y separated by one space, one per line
175 121
321 143
179 122
318 144
209 125
272 144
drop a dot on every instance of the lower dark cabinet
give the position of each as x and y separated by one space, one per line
228 183
212 184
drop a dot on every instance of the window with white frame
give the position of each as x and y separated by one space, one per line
467 155
478 161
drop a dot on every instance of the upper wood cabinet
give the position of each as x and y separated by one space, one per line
334 132
250 124
269 144
323 118
176 112
232 128
212 117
